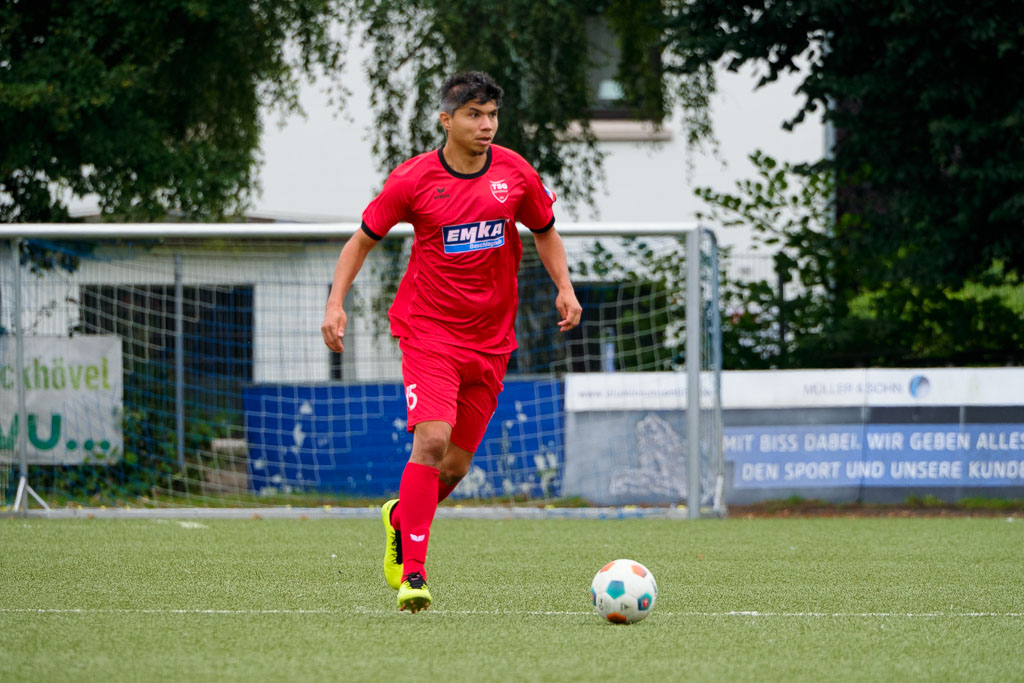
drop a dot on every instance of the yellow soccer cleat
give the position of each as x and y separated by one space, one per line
392 547
413 594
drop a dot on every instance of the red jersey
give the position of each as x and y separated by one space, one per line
461 286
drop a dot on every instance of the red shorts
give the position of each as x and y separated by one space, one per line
452 384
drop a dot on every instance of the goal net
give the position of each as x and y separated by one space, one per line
183 365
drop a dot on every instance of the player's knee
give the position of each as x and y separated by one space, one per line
429 446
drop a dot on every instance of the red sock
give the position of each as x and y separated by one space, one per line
443 491
418 493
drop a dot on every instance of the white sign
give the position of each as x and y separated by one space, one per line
625 391
873 388
800 388
73 396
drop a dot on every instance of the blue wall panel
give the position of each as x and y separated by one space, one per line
352 439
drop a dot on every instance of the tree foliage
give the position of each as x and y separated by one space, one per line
798 319
154 107
928 163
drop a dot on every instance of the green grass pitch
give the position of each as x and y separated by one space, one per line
765 599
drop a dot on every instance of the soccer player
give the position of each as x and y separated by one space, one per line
455 308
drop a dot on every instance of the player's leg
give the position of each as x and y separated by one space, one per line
476 404
431 385
452 469
446 483
418 493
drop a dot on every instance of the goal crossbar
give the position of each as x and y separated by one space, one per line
291 231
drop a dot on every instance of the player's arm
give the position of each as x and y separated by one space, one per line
349 262
552 255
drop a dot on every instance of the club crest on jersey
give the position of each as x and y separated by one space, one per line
499 188
473 236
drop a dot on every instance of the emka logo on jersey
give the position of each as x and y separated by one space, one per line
473 236
499 188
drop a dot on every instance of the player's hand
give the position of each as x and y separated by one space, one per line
333 327
569 308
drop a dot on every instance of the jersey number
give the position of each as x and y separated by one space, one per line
410 396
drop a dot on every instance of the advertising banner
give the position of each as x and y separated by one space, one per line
969 455
801 388
857 434
73 399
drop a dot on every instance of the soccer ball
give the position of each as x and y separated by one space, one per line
623 591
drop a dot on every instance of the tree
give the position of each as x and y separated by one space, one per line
928 164
787 209
765 325
154 107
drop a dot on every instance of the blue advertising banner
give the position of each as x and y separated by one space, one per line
352 439
882 455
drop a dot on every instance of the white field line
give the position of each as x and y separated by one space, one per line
540 613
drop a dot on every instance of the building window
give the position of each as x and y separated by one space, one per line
608 95
613 116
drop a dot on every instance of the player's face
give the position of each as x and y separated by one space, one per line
472 126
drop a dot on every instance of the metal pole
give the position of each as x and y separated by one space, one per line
693 357
21 442
715 318
179 360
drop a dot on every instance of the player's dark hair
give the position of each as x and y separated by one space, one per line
469 86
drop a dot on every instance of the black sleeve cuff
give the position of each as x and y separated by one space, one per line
547 227
365 228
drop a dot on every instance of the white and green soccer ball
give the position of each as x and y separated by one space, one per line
623 592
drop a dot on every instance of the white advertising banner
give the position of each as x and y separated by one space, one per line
801 388
73 399
873 387
625 391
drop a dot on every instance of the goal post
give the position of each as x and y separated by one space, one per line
182 364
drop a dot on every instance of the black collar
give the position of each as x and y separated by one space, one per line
465 176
